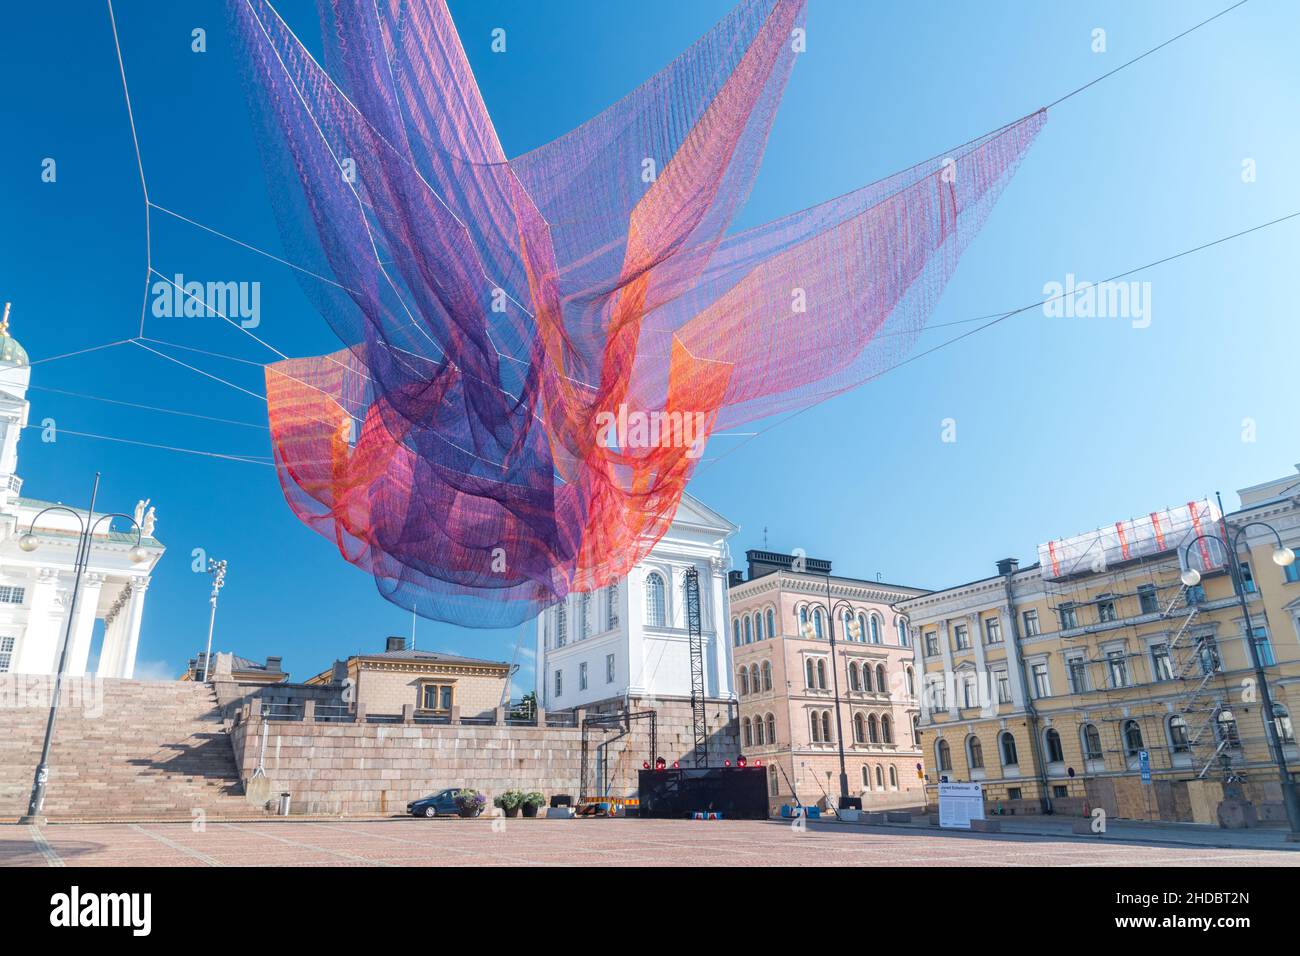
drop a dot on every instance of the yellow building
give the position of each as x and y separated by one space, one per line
1098 679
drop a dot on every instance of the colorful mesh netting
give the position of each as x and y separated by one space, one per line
498 315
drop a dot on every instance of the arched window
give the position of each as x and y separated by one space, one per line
656 608
815 723
744 681
767 675
974 752
758 731
561 624
943 756
916 733
771 623
1008 744
866 678
855 682
846 625
771 729
749 634
1132 738
755 684
859 729
873 729
1091 738
584 616
804 628
901 624
1228 729
748 732
1282 721
611 604
819 624
880 778
866 777
1178 741
893 777
911 682
862 628
758 627
875 634
810 673
1055 753
821 673
886 730
735 631
826 726
881 685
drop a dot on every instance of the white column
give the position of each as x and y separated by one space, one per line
635 623
136 608
83 628
541 664
920 673
111 654
950 688
721 632
38 648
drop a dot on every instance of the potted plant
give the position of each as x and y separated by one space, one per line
470 802
510 801
532 801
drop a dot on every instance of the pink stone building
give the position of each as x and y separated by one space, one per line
791 714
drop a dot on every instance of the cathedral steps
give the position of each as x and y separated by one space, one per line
127 750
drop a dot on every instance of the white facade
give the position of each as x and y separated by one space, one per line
36 586
618 642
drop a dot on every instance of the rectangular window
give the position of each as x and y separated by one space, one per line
1041 686
609 668
582 676
961 636
1060 792
1069 616
931 645
9 595
1106 611
6 654
968 695
1162 667
559 683
1078 675
1291 573
1118 665
1004 687
1247 578
1196 595
1031 623
436 697
993 631
1013 793
1147 599
1263 647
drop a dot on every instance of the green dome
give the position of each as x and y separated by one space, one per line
11 353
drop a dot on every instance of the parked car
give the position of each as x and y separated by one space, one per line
436 804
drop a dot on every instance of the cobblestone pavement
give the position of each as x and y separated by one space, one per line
595 842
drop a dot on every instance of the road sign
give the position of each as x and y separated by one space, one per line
1144 761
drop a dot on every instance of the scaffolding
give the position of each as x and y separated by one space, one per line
696 639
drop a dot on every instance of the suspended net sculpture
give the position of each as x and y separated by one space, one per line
536 349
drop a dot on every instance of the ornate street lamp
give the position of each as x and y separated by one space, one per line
30 542
218 571
1282 556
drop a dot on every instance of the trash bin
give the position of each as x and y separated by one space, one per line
283 809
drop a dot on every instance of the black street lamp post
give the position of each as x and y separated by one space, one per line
29 542
1282 556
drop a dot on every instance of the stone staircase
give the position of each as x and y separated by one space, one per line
127 750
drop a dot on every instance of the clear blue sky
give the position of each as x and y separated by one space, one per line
1061 424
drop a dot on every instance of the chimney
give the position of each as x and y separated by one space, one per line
273 664
1008 566
395 644
734 578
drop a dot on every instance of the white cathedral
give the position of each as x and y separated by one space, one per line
629 640
36 580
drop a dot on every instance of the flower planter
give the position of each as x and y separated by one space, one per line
530 811
512 811
469 812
